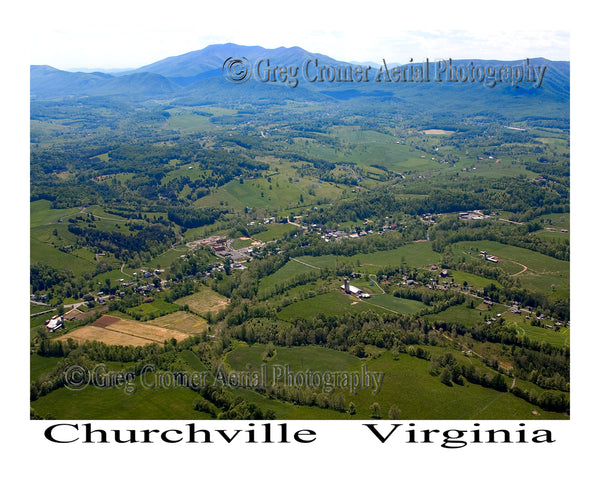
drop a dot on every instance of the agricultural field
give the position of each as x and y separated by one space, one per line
119 331
181 321
272 194
476 281
291 269
203 301
151 309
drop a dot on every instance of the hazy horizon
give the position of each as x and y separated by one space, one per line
67 35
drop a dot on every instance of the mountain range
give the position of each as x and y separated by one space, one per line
198 77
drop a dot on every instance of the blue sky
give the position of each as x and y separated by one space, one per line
71 34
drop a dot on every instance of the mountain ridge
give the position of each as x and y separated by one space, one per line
198 76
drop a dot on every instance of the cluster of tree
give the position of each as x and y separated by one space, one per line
517 235
548 368
296 280
538 362
43 277
192 218
440 299
150 238
231 407
554 401
192 265
87 355
485 379
314 245
308 397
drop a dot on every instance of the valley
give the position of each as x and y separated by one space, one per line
221 227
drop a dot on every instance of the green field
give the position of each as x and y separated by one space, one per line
561 338
298 358
332 303
398 305
275 231
41 213
336 303
406 383
543 273
289 270
153 309
47 254
416 254
39 365
115 404
203 301
189 123
469 317
475 281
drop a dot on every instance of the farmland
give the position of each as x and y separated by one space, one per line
203 301
181 321
535 270
124 332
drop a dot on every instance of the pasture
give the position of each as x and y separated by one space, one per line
469 317
337 303
281 188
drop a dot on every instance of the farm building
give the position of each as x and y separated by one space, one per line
55 323
489 258
350 289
